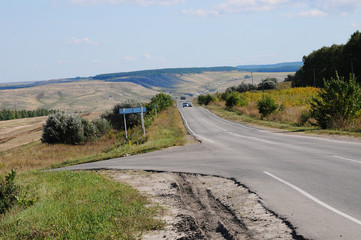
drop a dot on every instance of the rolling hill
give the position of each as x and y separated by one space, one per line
101 92
279 67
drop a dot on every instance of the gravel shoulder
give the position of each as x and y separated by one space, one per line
205 207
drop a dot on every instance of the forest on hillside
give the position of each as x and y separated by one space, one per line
345 59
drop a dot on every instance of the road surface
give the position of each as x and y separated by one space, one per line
315 183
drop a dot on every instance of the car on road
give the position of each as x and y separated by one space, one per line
185 104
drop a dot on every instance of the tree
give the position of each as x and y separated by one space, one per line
116 120
324 62
162 100
339 101
205 99
266 105
268 83
233 100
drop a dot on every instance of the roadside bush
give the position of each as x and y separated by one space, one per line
8 191
205 99
241 88
267 84
162 100
235 99
304 118
266 105
69 129
116 120
90 130
338 103
226 95
102 126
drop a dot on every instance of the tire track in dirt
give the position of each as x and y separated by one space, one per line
210 219
206 207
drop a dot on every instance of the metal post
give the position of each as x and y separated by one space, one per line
252 77
142 117
125 125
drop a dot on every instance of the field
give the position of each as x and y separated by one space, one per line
291 114
166 131
219 81
82 96
94 95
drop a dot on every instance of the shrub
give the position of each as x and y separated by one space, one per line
205 99
116 120
268 83
90 131
304 118
162 100
266 106
339 102
102 126
8 191
235 99
68 129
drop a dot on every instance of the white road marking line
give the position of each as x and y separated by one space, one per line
235 134
225 120
238 135
192 132
315 199
282 134
347 159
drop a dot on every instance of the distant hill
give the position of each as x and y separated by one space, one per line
279 67
164 78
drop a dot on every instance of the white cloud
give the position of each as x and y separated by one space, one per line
78 41
308 14
134 2
64 62
147 56
304 8
129 58
237 6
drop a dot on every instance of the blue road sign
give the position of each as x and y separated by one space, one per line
132 110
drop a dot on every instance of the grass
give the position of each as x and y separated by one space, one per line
77 205
166 131
288 119
83 205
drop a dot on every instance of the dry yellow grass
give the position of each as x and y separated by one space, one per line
84 96
220 81
14 133
38 155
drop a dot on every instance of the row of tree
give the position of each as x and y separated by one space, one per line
17 114
325 62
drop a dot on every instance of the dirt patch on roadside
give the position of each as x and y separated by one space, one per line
205 207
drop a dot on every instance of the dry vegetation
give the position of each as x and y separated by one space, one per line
220 81
82 96
167 130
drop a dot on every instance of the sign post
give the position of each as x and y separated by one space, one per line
125 125
138 110
142 119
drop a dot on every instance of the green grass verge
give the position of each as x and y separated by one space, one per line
236 116
166 131
77 205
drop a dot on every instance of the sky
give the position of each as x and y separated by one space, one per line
52 39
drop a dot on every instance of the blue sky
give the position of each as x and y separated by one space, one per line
51 39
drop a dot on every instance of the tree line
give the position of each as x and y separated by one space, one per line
17 114
345 59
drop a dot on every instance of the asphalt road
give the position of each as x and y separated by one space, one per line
315 183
